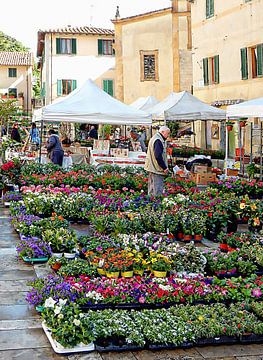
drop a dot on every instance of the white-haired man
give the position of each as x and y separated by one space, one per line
156 161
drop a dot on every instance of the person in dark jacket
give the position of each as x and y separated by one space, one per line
54 148
15 135
93 133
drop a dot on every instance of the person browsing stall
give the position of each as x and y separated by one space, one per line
138 138
156 161
54 148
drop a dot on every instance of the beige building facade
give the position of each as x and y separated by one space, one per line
153 53
16 69
227 54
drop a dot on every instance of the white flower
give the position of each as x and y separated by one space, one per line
60 316
62 302
57 310
76 322
50 303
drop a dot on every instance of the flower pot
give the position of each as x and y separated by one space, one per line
198 238
56 266
112 274
180 236
242 124
69 255
187 237
101 271
57 254
223 247
138 272
159 274
127 274
229 127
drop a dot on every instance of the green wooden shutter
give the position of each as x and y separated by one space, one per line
43 90
216 63
74 84
58 46
100 52
212 8
244 65
205 71
260 60
108 86
59 87
73 46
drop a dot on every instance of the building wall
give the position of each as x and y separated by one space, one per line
23 82
236 24
84 65
168 33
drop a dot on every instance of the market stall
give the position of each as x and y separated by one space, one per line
89 104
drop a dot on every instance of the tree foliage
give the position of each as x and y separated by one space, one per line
7 43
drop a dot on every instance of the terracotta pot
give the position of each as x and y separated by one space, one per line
198 237
56 266
187 238
180 235
229 127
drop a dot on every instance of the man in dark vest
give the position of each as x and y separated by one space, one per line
156 161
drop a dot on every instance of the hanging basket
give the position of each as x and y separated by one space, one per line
229 127
242 123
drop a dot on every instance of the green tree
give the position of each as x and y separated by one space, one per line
7 43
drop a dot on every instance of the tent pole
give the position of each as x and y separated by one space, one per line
194 132
251 142
240 149
41 136
226 155
205 134
261 145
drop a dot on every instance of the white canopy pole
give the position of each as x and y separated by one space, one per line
226 155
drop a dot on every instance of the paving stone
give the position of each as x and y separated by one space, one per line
13 285
34 323
23 339
26 274
94 355
180 354
13 298
16 312
260 357
212 352
127 355
30 354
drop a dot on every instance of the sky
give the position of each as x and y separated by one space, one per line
22 19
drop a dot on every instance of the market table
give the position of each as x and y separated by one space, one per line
135 158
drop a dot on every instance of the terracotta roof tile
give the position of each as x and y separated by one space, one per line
79 30
16 58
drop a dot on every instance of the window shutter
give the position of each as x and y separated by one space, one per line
59 87
205 71
110 87
244 66
216 62
74 46
74 84
260 60
212 8
100 52
58 46
43 90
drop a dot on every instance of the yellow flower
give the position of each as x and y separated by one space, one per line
242 205
256 222
201 318
253 206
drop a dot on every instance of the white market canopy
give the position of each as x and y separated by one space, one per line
250 108
144 103
90 104
183 106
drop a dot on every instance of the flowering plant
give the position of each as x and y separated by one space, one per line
160 262
11 170
33 248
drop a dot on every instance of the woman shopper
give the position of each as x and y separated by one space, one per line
54 148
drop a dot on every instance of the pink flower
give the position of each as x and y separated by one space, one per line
257 292
141 299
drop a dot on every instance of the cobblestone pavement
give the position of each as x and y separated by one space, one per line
21 334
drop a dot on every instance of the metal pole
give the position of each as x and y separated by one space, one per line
41 136
251 142
226 156
194 133
240 148
261 145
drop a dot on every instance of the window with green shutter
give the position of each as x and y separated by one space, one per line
210 8
66 46
59 87
108 86
12 72
205 71
105 47
260 60
244 64
216 69
43 90
65 87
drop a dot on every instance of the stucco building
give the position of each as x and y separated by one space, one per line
16 70
228 54
153 52
69 56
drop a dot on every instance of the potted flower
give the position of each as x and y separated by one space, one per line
229 125
242 122
160 265
31 250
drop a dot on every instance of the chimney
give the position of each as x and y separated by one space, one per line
117 14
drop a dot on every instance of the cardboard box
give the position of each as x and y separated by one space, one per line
200 169
203 179
232 172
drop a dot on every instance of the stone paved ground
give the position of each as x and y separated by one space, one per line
21 334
